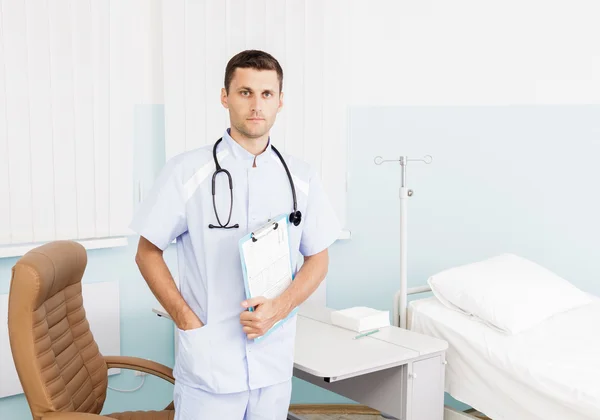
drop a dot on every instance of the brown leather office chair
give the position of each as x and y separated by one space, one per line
61 370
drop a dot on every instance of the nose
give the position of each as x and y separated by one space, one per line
256 104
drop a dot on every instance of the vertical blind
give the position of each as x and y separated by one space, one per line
310 40
66 120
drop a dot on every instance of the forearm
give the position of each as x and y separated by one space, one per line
153 268
307 280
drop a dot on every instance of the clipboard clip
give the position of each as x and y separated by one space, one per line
263 231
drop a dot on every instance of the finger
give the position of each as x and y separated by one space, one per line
252 331
247 316
250 316
259 328
257 325
252 302
249 330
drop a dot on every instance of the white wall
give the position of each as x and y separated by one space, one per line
434 52
470 52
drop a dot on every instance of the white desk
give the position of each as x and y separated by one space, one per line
395 371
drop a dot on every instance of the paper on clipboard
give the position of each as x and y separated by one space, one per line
265 255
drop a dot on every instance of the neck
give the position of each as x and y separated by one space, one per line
253 145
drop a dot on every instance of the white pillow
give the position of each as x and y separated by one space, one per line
507 292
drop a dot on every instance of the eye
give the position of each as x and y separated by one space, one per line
268 94
245 93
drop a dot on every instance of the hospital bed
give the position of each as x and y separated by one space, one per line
551 372
547 370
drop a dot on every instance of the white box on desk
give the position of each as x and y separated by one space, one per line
360 318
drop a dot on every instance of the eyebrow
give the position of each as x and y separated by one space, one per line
250 90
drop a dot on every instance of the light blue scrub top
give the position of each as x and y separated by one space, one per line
219 357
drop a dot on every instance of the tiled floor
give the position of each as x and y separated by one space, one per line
347 417
341 417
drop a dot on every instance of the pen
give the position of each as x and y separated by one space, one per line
365 334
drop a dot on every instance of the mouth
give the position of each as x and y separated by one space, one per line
256 119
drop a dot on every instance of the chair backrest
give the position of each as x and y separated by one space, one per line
56 358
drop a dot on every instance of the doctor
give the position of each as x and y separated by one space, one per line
220 371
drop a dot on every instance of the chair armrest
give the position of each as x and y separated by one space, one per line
72 416
141 365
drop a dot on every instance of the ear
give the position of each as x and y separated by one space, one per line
224 98
280 102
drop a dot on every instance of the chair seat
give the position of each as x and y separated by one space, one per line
143 415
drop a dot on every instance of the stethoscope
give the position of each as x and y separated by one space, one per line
295 216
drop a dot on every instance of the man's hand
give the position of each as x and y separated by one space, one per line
191 323
153 267
266 313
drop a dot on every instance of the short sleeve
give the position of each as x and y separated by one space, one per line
321 225
161 217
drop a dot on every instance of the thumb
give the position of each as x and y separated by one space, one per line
252 302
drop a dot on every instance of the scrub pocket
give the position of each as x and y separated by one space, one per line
193 357
212 357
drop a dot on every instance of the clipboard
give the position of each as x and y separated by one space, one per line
266 259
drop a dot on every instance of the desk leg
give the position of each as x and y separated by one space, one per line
414 391
384 390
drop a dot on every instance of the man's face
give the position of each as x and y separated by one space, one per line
253 101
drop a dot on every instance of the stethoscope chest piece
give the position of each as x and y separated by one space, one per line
295 217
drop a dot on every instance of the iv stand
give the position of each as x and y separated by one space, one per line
400 298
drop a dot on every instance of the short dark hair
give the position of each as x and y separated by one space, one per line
254 59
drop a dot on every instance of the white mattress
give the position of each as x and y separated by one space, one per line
551 372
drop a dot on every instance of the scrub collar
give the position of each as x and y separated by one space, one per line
242 154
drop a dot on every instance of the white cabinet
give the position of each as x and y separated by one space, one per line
426 389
